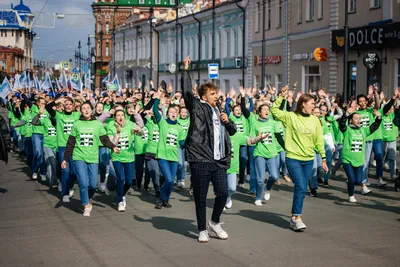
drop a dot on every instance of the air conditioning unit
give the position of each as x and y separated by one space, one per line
238 62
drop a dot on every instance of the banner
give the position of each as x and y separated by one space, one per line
5 88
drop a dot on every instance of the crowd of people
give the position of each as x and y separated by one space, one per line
106 141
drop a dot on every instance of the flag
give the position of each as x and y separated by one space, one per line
36 83
64 80
106 80
16 83
22 80
5 88
77 85
116 81
47 82
58 86
87 79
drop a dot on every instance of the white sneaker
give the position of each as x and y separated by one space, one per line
183 184
228 204
367 183
203 237
59 187
241 185
71 193
121 206
258 203
86 211
102 187
43 178
374 163
267 195
365 190
297 225
34 176
65 199
352 199
381 182
217 229
387 166
124 201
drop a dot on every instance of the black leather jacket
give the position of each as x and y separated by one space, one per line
200 138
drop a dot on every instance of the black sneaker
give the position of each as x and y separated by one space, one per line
159 204
326 184
146 187
158 193
313 193
166 204
320 182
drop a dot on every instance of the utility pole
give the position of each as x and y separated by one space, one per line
346 53
176 45
263 47
79 56
151 42
113 58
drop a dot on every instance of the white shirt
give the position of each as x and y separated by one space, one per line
216 130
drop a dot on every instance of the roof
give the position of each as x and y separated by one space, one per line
10 19
21 8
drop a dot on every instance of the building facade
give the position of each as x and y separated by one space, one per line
16 39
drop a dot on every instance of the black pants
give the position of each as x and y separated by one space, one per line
202 174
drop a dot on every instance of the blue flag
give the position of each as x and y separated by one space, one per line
106 80
5 88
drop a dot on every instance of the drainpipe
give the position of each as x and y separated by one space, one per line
243 38
286 48
199 48
158 54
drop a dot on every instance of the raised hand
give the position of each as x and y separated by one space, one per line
186 63
284 91
232 92
376 112
249 92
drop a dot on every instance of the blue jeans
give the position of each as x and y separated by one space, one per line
300 172
87 179
253 174
181 174
28 151
169 169
50 158
67 175
153 170
263 164
338 156
329 158
124 177
20 139
38 154
14 136
138 171
377 147
231 183
282 162
317 163
390 156
354 176
104 161
243 157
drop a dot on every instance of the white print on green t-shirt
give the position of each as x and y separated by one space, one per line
86 139
123 142
328 125
145 134
239 127
364 121
266 130
68 127
156 135
356 142
30 123
52 131
388 125
185 128
43 116
172 139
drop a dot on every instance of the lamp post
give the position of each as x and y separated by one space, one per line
151 41
79 55
263 48
346 53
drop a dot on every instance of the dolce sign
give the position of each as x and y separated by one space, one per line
382 36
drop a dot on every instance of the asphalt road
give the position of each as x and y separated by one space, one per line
37 230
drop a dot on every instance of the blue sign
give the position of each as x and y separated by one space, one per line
89 60
75 70
213 71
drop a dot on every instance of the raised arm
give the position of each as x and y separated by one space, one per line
156 112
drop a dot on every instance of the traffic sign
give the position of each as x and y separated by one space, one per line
75 70
89 60
75 77
213 71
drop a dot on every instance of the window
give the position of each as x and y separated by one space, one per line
186 47
227 85
352 6
374 76
228 42
279 14
312 78
320 9
278 81
234 51
352 68
256 81
218 84
398 73
203 46
210 45
107 26
309 10
219 42
375 3
107 49
258 17
299 11
268 15
158 2
268 80
240 82
240 42
141 2
98 49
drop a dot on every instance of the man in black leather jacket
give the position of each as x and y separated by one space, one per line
209 152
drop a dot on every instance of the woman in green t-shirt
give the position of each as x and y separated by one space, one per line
353 152
183 121
171 137
83 144
122 133
389 137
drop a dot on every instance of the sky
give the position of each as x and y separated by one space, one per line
59 43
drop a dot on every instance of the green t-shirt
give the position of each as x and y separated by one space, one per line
125 143
237 140
280 129
154 136
241 124
170 135
389 130
87 134
64 125
106 107
185 123
50 134
338 135
267 147
367 117
353 151
14 120
141 142
35 111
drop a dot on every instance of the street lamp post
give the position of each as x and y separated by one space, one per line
79 55
151 42
346 53
263 48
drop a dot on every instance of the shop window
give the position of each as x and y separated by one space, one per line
256 81
278 81
352 83
398 73
218 84
312 78
227 85
374 77
268 80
